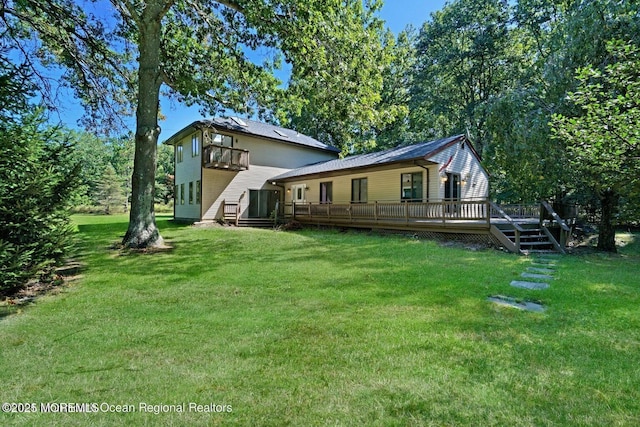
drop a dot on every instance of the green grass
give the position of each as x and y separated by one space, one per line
318 328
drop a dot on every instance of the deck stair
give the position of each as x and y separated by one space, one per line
533 239
529 230
255 222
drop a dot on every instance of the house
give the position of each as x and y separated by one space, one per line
244 172
224 166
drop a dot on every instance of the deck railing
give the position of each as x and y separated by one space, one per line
221 157
445 210
231 211
517 211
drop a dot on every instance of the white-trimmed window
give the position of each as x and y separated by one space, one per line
359 191
326 192
195 145
179 153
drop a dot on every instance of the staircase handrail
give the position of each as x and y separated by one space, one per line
555 216
504 215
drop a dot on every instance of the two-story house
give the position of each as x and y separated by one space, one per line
224 166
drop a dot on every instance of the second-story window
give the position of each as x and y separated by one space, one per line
179 153
195 145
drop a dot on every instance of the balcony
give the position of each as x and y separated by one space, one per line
221 157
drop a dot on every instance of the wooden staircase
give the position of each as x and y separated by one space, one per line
532 239
256 222
526 234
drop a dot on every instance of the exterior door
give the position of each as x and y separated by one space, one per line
298 193
262 203
452 187
452 194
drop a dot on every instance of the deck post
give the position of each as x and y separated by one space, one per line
406 211
375 211
444 211
350 212
517 240
487 212
309 209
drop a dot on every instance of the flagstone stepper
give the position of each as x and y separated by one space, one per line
540 270
536 276
544 265
520 305
529 285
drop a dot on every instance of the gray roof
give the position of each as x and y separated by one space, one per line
252 127
420 151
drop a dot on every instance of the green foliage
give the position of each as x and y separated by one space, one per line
37 178
604 140
340 89
164 175
464 60
109 190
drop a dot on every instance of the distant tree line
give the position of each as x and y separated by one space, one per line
106 165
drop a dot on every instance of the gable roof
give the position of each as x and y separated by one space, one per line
422 151
253 128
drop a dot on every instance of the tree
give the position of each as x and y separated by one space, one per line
110 189
165 175
199 50
553 38
395 97
341 99
463 61
37 179
604 140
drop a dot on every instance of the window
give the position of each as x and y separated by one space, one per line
452 186
191 193
198 194
195 145
224 140
179 149
182 194
411 186
359 190
326 192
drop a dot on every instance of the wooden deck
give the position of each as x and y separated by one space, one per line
444 215
518 228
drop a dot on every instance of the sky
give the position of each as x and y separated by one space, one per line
398 14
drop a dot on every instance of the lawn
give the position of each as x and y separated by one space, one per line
316 328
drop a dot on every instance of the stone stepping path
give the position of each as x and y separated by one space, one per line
537 277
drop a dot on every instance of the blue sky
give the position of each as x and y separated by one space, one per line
397 14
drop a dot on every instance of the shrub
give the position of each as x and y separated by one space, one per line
37 179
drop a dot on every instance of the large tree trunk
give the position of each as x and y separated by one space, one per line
607 233
143 231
